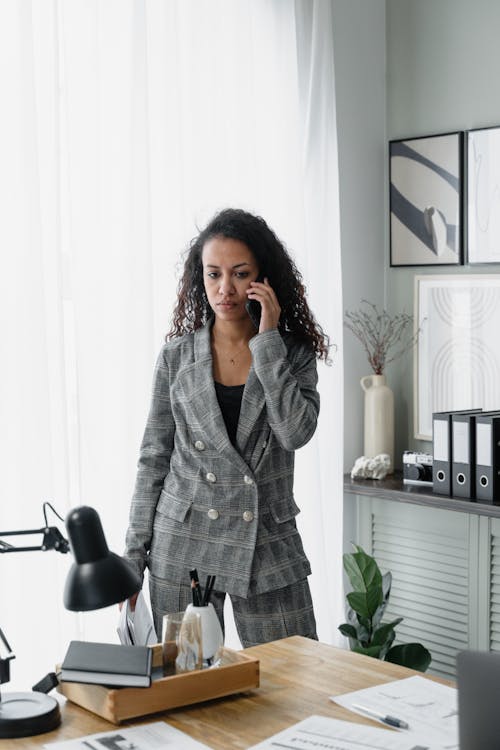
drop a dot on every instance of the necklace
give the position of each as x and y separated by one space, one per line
232 357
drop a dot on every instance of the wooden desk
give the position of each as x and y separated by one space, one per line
297 676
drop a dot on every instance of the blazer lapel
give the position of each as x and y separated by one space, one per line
204 399
252 404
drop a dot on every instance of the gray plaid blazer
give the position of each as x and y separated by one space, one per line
199 502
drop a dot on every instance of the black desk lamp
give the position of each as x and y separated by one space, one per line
97 578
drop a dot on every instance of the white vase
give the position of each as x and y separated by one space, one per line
379 417
212 637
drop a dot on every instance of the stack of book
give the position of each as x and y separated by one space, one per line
107 664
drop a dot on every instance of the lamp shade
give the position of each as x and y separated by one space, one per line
98 577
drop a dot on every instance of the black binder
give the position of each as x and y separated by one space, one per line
442 450
463 455
488 458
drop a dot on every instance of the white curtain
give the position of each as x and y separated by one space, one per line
125 125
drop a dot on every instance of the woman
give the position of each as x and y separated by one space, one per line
231 403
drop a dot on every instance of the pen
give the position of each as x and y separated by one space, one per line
195 587
208 592
392 721
195 591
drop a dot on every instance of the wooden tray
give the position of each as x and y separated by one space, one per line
238 672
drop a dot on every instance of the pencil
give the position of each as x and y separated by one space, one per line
194 593
195 586
210 587
206 593
194 575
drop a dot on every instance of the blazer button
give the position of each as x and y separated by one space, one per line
211 477
248 516
199 445
247 480
213 514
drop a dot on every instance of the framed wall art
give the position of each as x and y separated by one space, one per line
457 362
483 199
426 198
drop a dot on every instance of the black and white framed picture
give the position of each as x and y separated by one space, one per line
426 189
457 362
483 199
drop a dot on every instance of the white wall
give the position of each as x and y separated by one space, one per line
359 51
443 65
443 68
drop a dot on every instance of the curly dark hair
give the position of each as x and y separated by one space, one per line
192 310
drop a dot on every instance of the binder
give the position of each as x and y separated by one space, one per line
488 458
442 449
463 454
463 451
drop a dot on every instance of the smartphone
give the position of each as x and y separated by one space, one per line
254 308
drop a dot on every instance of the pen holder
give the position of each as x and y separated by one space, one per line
212 637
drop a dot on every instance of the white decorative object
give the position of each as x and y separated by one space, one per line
457 365
212 637
379 418
371 468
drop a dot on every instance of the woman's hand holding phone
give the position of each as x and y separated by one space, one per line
270 310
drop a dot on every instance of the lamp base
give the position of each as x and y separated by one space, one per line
25 714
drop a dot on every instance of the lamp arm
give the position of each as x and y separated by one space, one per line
98 578
5 660
51 539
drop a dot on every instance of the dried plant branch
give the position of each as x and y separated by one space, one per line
384 337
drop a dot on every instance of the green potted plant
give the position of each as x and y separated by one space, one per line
366 606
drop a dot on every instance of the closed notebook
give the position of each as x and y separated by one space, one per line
107 664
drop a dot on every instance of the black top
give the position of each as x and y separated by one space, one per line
229 398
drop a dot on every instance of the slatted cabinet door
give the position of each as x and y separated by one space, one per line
494 585
433 564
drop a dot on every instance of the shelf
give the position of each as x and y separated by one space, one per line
393 488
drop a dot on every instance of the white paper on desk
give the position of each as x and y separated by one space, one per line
333 734
153 736
430 709
136 628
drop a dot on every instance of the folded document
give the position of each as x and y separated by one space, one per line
136 628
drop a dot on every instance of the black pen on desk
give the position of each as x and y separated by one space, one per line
392 721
